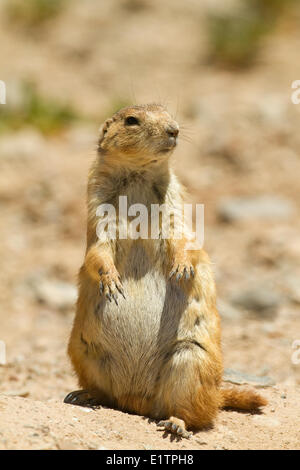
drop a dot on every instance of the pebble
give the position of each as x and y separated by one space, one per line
293 288
258 207
242 378
201 442
228 312
85 410
265 421
65 444
2 353
24 144
258 299
57 294
16 393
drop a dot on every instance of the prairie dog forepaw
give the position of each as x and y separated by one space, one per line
182 271
110 285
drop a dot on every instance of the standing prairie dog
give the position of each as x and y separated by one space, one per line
146 335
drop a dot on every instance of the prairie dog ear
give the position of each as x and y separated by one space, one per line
103 129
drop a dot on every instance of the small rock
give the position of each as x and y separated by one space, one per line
65 444
293 289
265 421
2 353
259 299
260 207
283 396
17 95
272 108
16 393
242 378
269 329
201 442
23 144
57 294
85 410
228 312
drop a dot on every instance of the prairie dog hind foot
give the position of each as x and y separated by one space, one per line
82 398
175 426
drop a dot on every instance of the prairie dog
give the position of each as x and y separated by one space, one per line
146 335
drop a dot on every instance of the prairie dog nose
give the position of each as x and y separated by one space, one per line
172 130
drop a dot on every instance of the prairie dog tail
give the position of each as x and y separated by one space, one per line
242 399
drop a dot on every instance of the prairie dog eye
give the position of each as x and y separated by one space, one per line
132 121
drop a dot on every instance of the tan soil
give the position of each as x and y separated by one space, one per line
33 424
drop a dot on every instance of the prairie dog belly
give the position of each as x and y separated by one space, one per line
136 336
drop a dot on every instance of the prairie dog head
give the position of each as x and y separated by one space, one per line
138 136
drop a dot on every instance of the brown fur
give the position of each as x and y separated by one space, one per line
157 352
242 399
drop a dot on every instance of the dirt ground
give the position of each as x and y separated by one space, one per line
240 145
46 425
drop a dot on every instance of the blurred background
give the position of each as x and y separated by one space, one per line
224 69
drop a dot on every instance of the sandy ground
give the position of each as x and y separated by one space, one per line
243 141
33 424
